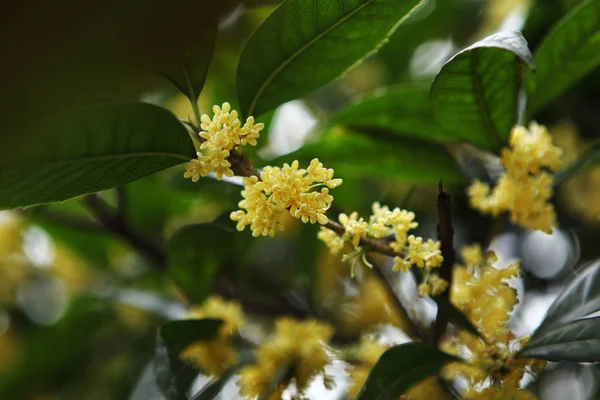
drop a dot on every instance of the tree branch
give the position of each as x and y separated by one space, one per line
445 232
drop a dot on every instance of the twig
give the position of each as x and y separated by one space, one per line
415 332
445 231
112 222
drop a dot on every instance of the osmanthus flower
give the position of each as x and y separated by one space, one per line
381 224
222 135
296 353
215 356
482 293
288 189
525 187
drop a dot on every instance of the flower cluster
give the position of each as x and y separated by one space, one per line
299 347
482 293
383 223
221 134
215 356
525 187
285 189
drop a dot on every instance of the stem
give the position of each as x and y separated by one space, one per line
116 224
414 331
445 231
191 95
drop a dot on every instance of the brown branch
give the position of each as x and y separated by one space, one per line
445 232
114 223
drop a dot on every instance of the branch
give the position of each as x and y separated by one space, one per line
445 231
116 224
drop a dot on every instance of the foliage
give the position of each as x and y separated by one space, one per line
353 120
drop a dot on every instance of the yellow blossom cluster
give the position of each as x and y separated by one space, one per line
295 352
221 135
280 190
383 223
525 187
481 292
217 355
361 359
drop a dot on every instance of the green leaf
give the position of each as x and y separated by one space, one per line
189 73
404 110
400 367
195 254
455 316
174 377
567 332
476 93
89 150
569 52
305 44
578 341
357 156
580 298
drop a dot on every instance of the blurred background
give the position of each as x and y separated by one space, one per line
79 305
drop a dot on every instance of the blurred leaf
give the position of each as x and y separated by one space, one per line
454 315
91 150
357 156
577 341
189 73
172 375
400 367
404 110
567 333
53 354
587 159
212 390
194 255
569 52
305 44
476 94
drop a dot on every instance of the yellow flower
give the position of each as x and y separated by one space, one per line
472 255
297 345
333 241
524 189
215 356
221 135
281 189
361 359
356 228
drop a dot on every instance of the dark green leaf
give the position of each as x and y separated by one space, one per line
568 53
404 110
454 315
194 255
476 94
400 367
567 333
577 341
174 377
580 298
358 156
89 150
305 44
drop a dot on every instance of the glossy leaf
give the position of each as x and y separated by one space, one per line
404 110
577 341
400 367
580 298
357 156
90 150
174 377
305 44
567 332
194 255
476 93
569 52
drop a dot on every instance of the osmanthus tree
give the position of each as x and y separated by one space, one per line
469 134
